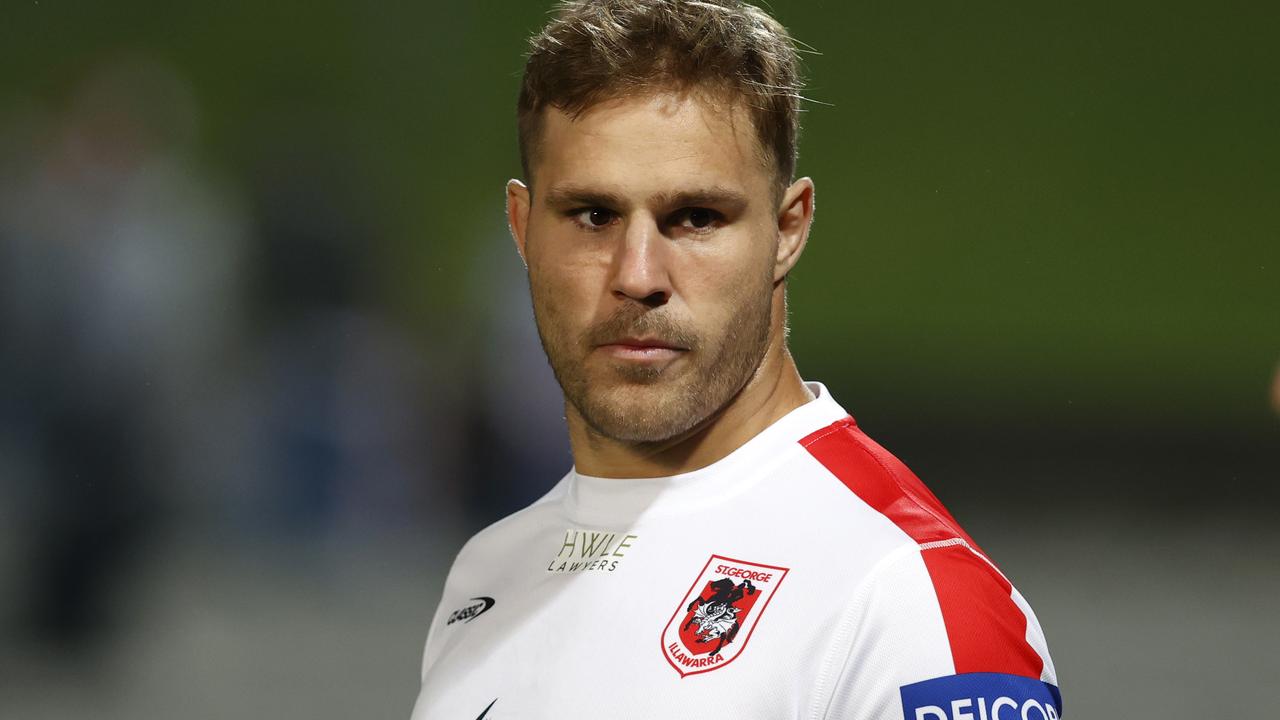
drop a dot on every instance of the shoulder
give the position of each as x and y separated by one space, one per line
936 632
985 625
882 482
935 618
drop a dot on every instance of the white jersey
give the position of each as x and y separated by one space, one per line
808 574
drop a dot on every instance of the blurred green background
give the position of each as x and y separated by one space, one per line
1045 271
1061 210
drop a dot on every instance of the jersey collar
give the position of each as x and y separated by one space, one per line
596 500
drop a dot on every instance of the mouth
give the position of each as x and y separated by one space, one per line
642 349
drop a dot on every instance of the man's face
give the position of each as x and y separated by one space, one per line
651 242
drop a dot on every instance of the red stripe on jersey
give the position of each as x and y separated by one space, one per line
987 631
883 482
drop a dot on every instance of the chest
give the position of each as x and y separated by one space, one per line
658 620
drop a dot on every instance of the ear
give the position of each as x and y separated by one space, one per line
795 216
518 215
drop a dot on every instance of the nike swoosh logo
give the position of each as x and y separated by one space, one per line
486 710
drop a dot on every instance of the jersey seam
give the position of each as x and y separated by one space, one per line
961 542
952 542
826 685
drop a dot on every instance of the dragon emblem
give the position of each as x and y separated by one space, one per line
717 616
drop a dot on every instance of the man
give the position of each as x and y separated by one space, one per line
728 544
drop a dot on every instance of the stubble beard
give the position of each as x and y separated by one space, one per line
637 403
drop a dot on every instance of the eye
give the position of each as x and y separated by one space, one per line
594 218
697 219
700 217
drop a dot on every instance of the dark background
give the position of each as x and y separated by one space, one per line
267 357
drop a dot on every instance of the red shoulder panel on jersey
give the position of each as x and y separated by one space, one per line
986 629
883 482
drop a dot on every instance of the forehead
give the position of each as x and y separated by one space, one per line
653 144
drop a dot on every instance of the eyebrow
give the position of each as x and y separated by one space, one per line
570 196
719 197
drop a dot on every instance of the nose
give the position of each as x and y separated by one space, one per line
640 265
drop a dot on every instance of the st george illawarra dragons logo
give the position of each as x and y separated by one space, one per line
712 624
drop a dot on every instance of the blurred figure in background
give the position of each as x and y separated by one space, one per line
194 372
119 304
343 411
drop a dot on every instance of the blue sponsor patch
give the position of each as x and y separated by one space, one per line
981 696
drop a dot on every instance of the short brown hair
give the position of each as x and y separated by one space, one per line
596 50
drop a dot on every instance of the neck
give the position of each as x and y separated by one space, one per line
774 390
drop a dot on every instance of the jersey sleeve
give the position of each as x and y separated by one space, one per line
431 649
938 633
